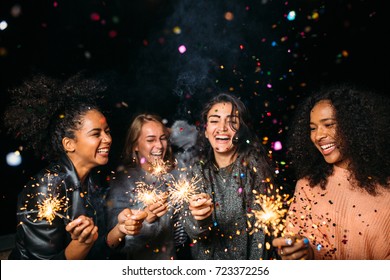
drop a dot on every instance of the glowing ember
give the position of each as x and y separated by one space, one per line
159 168
182 190
271 217
147 194
49 207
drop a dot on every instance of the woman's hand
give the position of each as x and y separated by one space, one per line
201 206
83 229
130 221
84 233
157 209
293 248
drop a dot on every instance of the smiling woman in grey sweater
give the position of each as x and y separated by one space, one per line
233 168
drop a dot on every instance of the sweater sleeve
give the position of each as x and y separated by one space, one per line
196 229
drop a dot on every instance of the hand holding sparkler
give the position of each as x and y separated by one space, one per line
293 247
84 233
201 206
157 209
83 229
130 221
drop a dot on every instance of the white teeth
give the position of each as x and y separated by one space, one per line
324 147
156 154
103 150
222 138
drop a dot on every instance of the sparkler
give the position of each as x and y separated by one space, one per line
48 209
271 217
182 190
147 194
159 167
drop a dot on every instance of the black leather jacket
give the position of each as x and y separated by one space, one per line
38 238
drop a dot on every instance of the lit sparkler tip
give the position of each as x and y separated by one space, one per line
146 194
271 216
159 167
182 190
48 209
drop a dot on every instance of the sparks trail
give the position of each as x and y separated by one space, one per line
48 209
271 217
181 190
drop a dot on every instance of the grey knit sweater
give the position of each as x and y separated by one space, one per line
225 235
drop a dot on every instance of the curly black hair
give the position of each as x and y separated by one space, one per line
363 127
44 109
245 139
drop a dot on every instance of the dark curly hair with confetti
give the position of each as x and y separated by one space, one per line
363 130
43 110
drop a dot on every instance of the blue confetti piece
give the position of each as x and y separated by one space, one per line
291 15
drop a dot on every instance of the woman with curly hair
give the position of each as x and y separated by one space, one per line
339 149
61 209
233 169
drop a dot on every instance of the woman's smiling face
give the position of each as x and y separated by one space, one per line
151 144
221 128
323 128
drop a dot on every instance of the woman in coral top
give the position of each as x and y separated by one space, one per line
341 201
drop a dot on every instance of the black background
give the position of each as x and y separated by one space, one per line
132 47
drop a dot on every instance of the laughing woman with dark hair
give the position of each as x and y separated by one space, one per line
339 150
233 169
61 209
